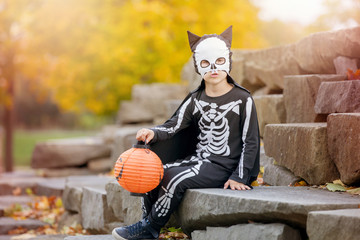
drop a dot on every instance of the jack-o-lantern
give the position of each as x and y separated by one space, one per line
139 170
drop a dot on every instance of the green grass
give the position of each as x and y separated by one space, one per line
25 141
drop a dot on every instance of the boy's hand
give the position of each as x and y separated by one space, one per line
236 185
145 135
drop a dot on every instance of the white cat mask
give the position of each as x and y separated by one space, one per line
211 52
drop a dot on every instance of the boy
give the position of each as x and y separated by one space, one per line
227 151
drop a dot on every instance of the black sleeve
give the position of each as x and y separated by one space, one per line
250 139
180 120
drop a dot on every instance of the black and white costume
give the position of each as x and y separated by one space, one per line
227 148
212 139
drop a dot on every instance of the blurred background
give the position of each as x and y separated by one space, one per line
65 65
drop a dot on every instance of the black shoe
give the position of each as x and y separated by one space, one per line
137 231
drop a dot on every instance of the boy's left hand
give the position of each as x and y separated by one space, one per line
236 185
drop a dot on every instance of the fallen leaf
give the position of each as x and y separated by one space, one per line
354 191
335 187
339 182
300 184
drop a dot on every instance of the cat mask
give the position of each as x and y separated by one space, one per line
211 52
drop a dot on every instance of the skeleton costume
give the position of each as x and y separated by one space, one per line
215 138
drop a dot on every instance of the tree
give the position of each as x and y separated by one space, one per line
100 49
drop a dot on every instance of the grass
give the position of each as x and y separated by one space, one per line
25 141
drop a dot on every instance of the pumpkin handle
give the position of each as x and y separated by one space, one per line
141 144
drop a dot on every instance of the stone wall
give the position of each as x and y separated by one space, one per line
264 70
302 83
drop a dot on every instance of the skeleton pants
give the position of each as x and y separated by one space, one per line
160 203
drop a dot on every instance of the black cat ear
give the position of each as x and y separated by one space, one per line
227 35
193 39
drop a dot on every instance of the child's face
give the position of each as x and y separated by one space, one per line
215 78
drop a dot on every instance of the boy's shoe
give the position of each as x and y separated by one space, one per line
137 231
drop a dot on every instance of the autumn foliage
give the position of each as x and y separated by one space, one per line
87 54
353 75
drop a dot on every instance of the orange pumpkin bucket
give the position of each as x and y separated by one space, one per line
139 170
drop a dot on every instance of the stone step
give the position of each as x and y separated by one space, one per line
51 187
90 237
7 224
270 110
8 201
300 92
343 144
73 192
203 208
273 231
333 225
39 237
11 183
303 149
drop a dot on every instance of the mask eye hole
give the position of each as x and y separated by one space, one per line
220 61
204 63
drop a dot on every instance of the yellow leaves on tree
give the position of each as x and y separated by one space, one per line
96 50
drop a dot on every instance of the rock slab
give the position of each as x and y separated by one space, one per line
275 231
270 109
125 207
276 175
334 225
203 208
300 93
90 237
343 143
72 195
338 97
95 213
301 148
7 224
68 152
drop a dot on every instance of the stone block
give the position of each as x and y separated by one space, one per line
275 231
10 182
46 237
64 172
69 219
51 187
301 148
333 225
90 237
338 97
145 107
265 160
343 143
267 67
126 208
300 92
270 109
68 152
276 175
201 208
100 165
342 64
72 195
158 92
95 213
7 224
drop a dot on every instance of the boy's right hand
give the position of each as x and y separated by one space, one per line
145 135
